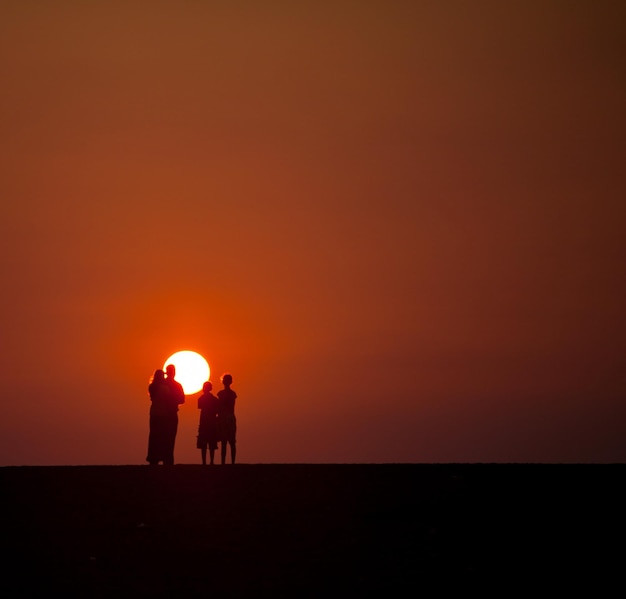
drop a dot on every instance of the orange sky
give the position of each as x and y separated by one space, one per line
399 225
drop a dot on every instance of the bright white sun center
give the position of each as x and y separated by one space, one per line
192 370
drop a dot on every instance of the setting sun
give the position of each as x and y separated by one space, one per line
192 370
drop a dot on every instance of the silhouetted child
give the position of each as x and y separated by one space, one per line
207 430
226 419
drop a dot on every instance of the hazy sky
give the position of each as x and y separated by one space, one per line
399 225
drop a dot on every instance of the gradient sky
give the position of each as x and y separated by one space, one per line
399 225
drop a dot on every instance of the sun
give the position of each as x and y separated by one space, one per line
192 370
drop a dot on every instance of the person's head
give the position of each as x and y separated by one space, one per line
207 387
170 369
227 379
158 376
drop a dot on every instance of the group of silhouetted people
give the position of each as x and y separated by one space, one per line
217 421
218 425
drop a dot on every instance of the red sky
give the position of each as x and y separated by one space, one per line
400 226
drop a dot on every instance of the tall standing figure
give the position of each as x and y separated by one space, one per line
159 393
208 435
226 420
177 397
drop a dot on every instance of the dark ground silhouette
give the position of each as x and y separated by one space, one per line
310 530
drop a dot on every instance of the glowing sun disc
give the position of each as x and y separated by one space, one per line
192 370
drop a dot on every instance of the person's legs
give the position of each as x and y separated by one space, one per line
203 453
154 441
168 456
212 456
223 448
172 441
168 460
233 451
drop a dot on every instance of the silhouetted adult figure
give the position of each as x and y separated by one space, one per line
208 435
159 393
226 418
176 398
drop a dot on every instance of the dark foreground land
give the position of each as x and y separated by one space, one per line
309 530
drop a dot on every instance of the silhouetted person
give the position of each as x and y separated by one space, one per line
160 410
208 435
227 421
176 397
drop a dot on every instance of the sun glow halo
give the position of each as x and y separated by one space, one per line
192 370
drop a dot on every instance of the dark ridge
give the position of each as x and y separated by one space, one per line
307 530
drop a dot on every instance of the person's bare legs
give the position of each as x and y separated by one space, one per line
212 456
233 452
203 452
224 451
